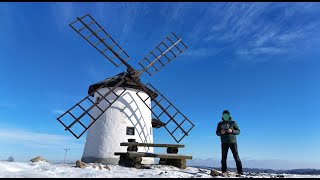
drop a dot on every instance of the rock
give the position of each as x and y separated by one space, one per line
106 167
215 173
202 171
38 159
226 174
80 164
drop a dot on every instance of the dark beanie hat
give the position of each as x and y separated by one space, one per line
226 112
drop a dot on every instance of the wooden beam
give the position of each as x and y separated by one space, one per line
166 156
151 144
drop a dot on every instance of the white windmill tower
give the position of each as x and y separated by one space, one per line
127 118
121 108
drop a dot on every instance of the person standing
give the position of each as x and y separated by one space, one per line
227 129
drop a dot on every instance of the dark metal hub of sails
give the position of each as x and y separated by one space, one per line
78 119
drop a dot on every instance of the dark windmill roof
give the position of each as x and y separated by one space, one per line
112 81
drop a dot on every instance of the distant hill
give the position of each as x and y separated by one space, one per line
261 170
304 171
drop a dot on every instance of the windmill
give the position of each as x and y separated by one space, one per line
112 105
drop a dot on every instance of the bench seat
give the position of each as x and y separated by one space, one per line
155 155
151 144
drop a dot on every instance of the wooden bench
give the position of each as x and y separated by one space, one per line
171 148
132 158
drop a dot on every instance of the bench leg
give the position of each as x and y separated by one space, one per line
183 164
122 160
179 163
162 161
137 162
126 161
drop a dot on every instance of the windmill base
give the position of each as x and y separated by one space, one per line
100 160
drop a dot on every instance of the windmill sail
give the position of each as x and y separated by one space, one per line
87 111
176 123
92 32
164 53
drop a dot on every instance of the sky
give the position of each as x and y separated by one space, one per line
258 60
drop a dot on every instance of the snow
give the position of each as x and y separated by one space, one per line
48 170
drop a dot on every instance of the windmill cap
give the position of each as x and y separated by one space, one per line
226 112
113 81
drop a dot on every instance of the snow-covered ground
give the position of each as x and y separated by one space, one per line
44 169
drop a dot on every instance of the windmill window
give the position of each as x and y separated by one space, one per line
130 130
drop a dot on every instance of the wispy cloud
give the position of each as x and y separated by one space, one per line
62 97
262 50
37 140
261 29
96 74
201 52
127 16
249 30
120 19
58 111
179 9
63 13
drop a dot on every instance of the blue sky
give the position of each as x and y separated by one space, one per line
259 60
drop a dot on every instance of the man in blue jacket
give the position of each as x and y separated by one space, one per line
227 129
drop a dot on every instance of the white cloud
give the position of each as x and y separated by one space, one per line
201 52
263 38
267 50
58 111
237 20
120 19
179 10
37 140
65 97
131 12
249 29
259 29
262 50
63 13
67 9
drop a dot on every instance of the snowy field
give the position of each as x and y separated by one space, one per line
47 170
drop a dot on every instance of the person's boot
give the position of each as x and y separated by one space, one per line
239 174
